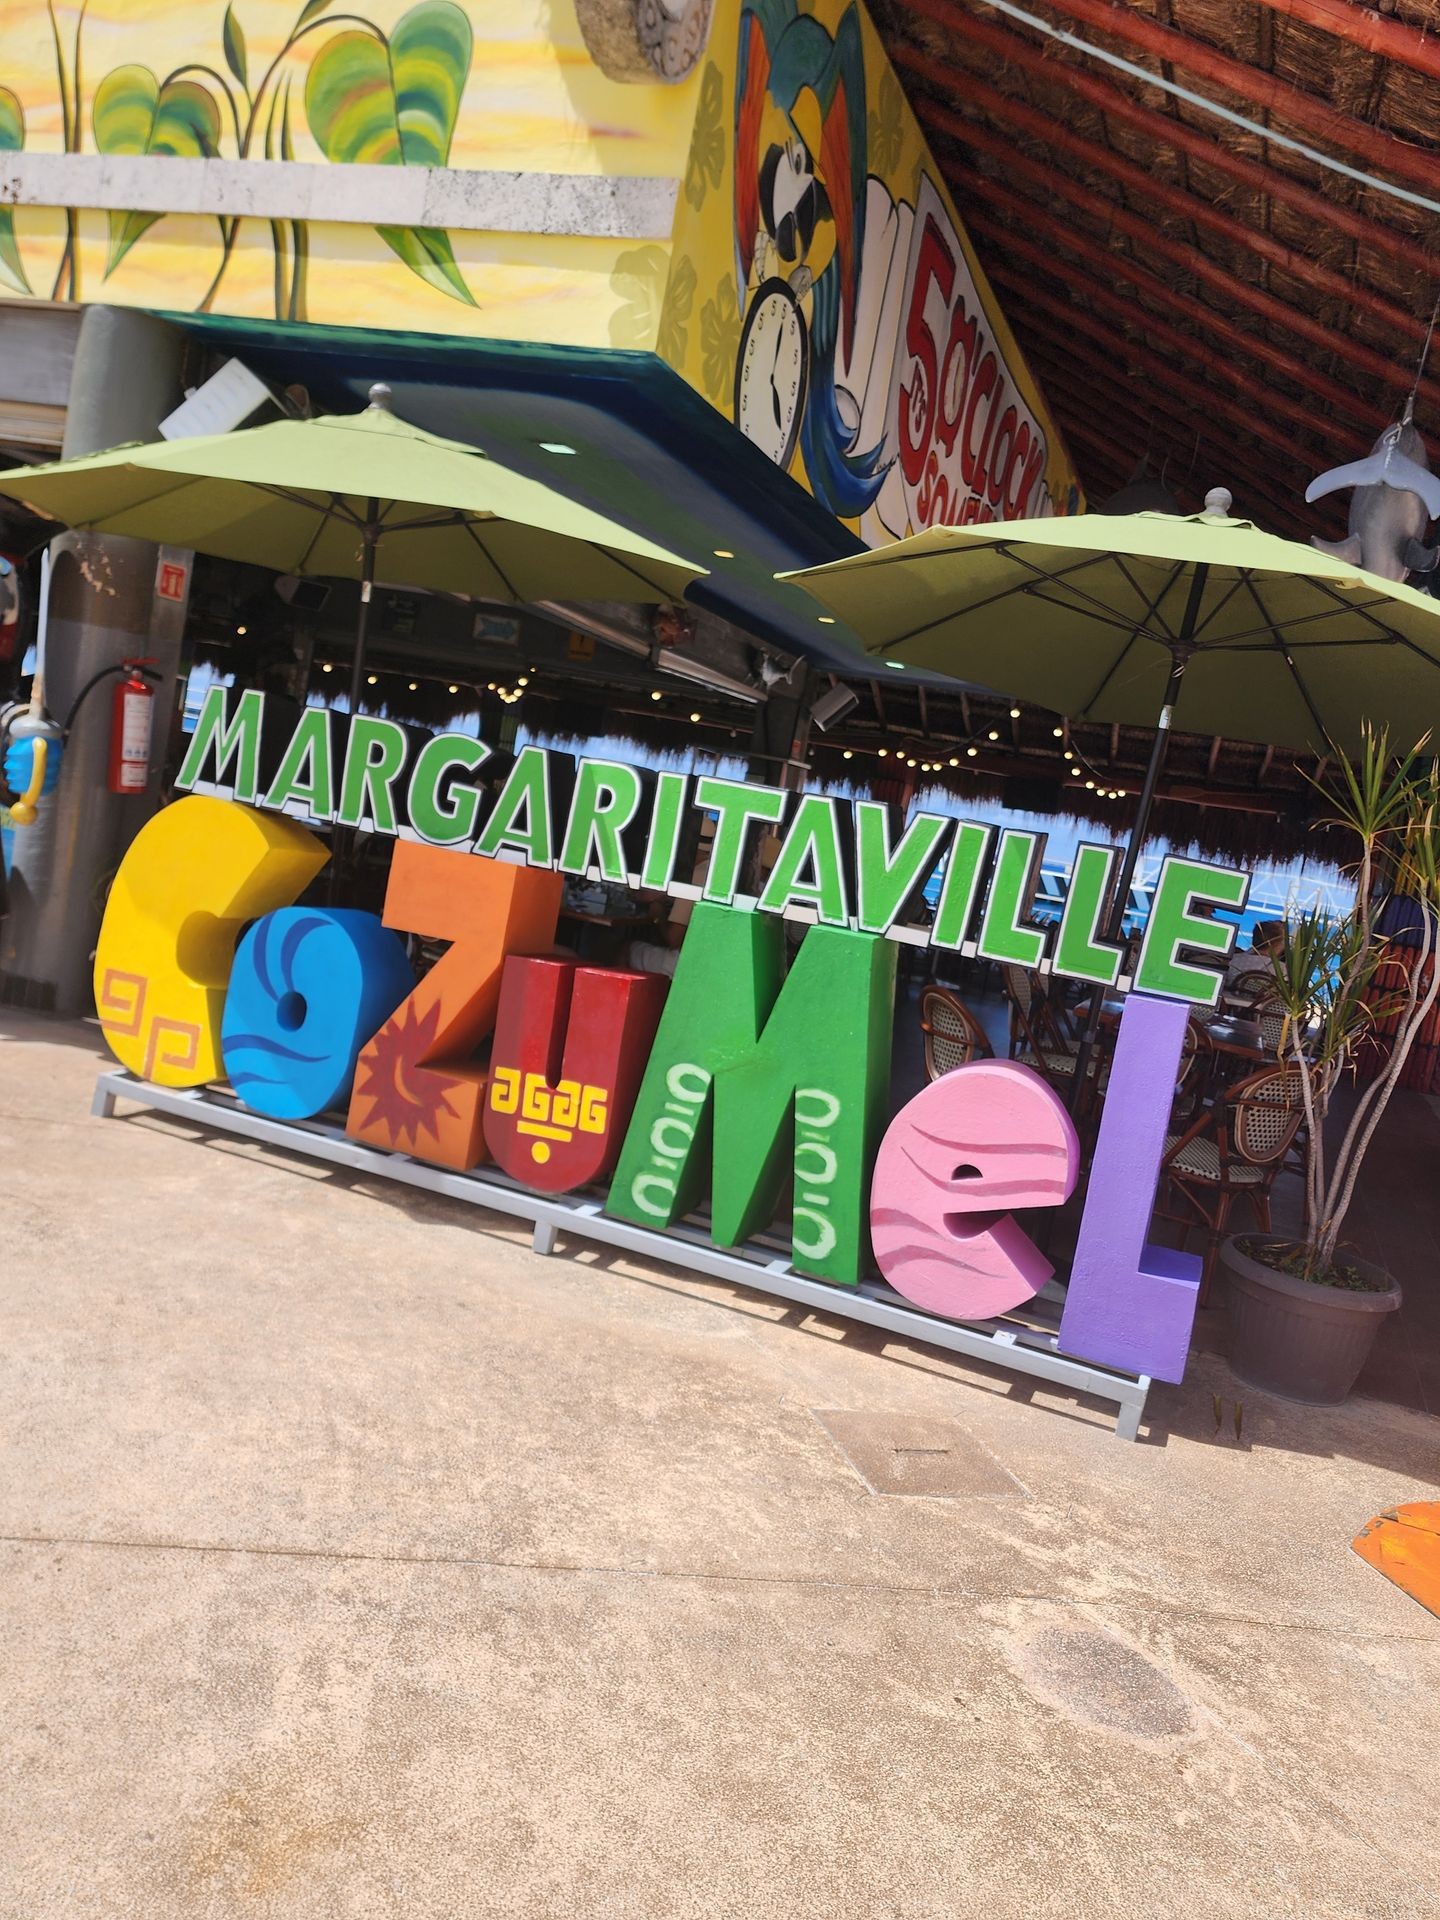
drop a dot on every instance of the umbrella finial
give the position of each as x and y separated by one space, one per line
1218 501
381 396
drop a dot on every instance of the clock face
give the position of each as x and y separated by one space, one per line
772 372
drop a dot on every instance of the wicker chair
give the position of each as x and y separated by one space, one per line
1035 1038
953 1036
1256 984
1234 1149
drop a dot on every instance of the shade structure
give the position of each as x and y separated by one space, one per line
309 496
1151 619
1088 616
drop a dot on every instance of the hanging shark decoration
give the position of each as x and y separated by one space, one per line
1396 497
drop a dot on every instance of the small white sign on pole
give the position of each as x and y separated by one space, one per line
227 398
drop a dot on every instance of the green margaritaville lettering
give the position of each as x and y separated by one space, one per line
847 866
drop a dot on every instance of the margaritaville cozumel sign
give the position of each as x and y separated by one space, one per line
767 1089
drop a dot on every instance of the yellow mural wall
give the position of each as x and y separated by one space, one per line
824 295
503 85
816 285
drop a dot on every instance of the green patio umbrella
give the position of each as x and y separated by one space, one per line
1151 619
358 496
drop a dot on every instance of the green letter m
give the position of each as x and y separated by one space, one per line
766 1077
239 740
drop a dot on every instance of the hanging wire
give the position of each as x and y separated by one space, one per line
1205 105
1424 356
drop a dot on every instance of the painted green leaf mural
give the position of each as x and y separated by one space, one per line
233 36
12 139
395 103
430 53
312 10
135 114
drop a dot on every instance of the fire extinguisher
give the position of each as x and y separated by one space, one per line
131 717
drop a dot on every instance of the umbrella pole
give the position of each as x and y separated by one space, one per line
1115 929
367 589
346 841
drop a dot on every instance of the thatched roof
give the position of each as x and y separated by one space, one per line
1179 285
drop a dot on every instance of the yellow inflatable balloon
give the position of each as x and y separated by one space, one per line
192 878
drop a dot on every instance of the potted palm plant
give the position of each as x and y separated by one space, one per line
1304 1312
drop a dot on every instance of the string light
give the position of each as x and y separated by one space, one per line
954 761
454 688
657 695
884 752
694 719
1068 754
971 752
242 631
1059 732
372 679
326 667
992 735
1014 713
414 686
847 754
523 681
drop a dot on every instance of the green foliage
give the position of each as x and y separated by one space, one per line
12 139
232 35
1328 979
134 113
395 103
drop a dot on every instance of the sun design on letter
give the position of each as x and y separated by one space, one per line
407 1097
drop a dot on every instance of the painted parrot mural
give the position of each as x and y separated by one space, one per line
800 189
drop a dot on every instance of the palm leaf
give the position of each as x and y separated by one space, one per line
12 139
396 105
232 36
134 114
427 251
350 101
430 54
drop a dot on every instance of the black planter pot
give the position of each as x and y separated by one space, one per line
1297 1339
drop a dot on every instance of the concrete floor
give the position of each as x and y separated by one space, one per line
358 1562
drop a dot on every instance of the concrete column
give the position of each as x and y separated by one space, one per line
103 609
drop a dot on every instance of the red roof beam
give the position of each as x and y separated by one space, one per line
1159 127
1370 31
1219 463
1414 165
1104 299
1378 366
1148 409
1253 345
1187 206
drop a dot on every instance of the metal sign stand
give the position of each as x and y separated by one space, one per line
1011 1344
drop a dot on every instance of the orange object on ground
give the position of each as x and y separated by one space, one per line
1403 1543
